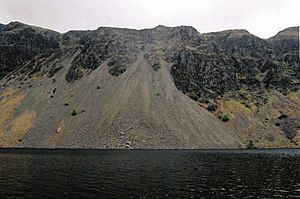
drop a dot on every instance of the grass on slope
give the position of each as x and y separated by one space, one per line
232 106
8 104
12 129
20 126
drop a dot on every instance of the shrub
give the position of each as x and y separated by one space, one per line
225 118
250 145
66 104
212 107
74 112
98 87
193 96
248 105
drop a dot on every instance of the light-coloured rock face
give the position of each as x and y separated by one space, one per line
118 88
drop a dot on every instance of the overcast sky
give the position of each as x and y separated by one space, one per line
263 18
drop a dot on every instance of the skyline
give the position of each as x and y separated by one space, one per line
261 18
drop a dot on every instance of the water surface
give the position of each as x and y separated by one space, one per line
149 174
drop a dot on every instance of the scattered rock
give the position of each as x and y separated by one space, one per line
58 130
153 60
128 144
282 116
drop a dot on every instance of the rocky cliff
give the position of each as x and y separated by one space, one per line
166 87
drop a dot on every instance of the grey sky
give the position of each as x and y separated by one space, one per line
263 18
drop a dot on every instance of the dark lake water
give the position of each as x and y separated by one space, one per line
149 174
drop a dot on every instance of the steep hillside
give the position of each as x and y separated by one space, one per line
153 88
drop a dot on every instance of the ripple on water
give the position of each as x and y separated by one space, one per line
150 174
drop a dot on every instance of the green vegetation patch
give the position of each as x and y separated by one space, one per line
224 117
74 113
250 145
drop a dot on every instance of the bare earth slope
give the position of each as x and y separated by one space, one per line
120 88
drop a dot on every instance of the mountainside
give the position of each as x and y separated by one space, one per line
166 87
